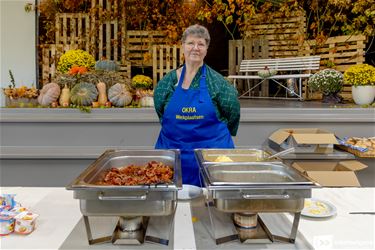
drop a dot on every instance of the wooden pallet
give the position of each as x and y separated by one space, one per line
284 35
164 59
125 70
51 54
243 50
108 35
139 45
343 51
72 28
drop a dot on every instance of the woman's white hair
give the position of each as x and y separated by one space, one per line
197 31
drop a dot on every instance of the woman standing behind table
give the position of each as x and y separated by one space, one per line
196 106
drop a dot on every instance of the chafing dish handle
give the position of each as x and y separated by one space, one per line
264 196
102 197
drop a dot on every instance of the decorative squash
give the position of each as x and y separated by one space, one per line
119 95
83 94
106 65
49 93
102 99
146 101
266 72
65 96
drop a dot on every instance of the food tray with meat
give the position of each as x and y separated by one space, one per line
130 183
132 168
152 173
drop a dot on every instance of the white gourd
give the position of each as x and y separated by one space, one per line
119 95
147 101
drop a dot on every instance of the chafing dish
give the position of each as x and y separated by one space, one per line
235 155
252 186
140 200
127 202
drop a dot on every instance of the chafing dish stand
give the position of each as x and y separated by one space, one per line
224 229
247 189
146 212
156 229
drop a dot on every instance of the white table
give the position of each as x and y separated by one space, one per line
59 214
343 231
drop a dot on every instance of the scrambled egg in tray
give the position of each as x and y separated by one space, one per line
223 158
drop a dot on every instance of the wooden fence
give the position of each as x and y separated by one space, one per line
284 35
108 34
72 28
125 69
339 53
247 49
139 45
164 59
51 54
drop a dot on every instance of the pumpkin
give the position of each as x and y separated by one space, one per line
49 93
106 65
65 96
83 94
266 72
102 99
119 95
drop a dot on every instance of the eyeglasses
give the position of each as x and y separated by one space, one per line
191 45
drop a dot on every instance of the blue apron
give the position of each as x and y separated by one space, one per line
190 122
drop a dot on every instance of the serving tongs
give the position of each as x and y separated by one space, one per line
281 153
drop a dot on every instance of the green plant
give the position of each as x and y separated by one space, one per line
360 74
75 58
141 81
327 81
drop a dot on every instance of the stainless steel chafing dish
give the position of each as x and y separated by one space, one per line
127 202
250 185
234 155
142 200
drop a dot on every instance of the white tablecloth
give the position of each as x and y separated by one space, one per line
343 231
59 214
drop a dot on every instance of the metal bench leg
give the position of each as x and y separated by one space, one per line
249 90
299 95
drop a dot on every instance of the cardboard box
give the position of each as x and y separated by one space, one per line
330 173
304 140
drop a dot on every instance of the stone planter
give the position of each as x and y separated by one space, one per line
363 95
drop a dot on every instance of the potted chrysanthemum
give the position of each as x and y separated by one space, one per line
329 82
362 79
143 94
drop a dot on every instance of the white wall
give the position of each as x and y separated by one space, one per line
17 44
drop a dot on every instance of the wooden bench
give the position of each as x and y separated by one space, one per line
292 67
